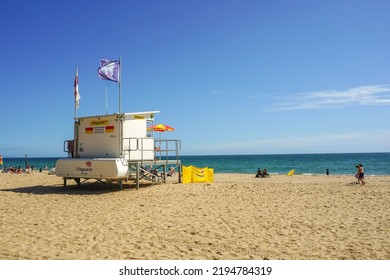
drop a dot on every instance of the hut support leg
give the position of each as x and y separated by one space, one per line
137 174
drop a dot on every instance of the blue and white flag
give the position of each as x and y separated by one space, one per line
109 70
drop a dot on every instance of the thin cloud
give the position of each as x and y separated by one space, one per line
250 96
330 143
364 96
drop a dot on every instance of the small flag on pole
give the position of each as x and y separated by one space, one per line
1 160
76 89
109 70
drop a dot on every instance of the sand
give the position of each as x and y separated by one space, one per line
236 217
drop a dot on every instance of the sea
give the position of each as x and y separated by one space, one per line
306 164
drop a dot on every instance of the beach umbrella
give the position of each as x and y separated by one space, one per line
160 128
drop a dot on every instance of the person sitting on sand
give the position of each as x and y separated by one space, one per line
265 173
171 172
155 172
361 174
259 173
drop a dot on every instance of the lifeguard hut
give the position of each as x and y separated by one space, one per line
118 147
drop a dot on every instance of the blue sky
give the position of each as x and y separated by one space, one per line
232 77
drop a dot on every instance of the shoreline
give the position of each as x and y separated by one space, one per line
236 217
313 163
52 170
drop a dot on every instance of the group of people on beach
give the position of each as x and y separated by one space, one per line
359 175
262 173
17 170
156 172
20 170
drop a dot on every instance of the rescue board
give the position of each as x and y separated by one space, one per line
291 172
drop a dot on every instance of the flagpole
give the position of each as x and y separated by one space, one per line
76 84
120 79
120 128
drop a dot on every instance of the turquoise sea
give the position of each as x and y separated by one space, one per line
373 163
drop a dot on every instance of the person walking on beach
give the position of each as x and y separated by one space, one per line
357 174
361 174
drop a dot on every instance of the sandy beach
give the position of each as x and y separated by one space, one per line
236 217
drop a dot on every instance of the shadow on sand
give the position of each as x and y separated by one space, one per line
95 188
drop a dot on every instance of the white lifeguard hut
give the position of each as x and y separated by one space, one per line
117 147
